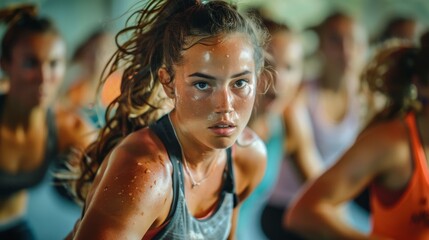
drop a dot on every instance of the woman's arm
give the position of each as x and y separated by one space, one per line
313 214
299 131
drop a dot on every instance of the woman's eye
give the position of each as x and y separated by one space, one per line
201 85
29 63
240 83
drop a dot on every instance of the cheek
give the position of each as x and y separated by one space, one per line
192 104
27 76
58 73
244 104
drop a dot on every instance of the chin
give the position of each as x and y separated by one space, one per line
223 143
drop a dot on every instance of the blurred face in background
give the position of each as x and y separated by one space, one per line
35 69
342 45
287 52
405 30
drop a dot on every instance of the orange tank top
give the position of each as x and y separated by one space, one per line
408 218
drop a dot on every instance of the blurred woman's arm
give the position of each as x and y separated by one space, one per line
313 214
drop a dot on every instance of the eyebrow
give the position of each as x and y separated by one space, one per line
202 75
240 74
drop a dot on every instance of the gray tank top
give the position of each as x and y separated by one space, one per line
181 224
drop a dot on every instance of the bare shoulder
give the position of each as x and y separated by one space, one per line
249 147
387 134
133 186
383 146
141 161
249 160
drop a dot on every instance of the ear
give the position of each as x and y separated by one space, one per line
166 81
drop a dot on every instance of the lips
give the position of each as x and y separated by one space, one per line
224 128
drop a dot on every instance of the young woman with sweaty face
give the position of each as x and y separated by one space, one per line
179 175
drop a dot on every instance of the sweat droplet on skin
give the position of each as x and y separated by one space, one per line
106 188
227 55
139 163
147 170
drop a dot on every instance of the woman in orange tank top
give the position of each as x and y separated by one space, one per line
390 157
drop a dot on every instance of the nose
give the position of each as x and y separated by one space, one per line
223 101
346 48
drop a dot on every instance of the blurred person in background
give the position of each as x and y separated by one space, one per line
323 120
284 56
33 133
79 89
398 27
389 157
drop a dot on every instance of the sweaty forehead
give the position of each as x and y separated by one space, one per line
218 41
231 45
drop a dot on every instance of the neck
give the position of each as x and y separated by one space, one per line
197 156
337 82
332 81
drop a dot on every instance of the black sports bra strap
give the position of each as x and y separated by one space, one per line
164 130
229 183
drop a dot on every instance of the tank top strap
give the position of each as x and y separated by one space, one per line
165 131
229 185
418 154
